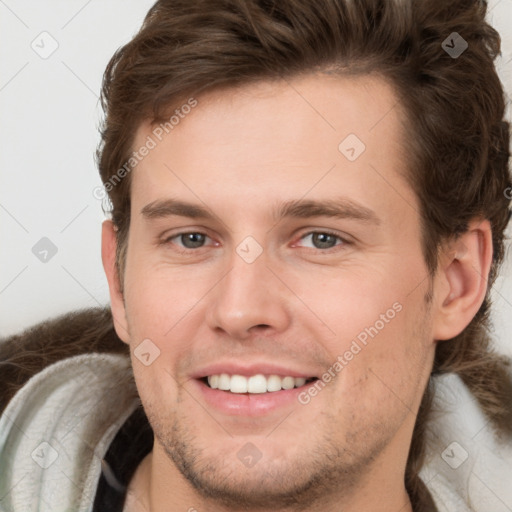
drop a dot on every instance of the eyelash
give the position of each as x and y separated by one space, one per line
181 250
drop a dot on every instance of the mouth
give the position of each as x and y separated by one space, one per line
258 384
256 389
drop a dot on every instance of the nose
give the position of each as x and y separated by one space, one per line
249 300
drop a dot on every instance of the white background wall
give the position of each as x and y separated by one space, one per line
49 114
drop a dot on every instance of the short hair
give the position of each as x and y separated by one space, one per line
457 145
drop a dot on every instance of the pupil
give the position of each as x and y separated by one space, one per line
323 240
192 240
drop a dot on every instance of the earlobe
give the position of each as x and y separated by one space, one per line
108 257
462 280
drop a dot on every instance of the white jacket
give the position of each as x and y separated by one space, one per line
57 428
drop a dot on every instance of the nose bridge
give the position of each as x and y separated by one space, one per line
249 295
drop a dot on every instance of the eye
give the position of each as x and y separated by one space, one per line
190 240
187 240
324 239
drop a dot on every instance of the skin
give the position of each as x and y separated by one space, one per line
300 302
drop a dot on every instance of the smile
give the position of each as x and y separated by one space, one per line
255 384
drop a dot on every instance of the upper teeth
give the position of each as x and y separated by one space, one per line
255 384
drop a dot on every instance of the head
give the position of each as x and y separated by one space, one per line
268 117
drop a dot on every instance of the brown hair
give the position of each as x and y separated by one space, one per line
458 144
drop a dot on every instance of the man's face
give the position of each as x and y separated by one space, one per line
249 292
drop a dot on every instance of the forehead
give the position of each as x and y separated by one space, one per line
332 103
277 138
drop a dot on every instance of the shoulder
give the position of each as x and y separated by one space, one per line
31 351
62 421
467 467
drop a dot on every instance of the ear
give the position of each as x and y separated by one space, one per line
108 257
461 280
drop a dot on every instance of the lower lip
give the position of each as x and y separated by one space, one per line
254 404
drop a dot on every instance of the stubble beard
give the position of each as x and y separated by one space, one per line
317 476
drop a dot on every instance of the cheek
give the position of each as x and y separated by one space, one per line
349 300
155 302
379 328
158 310
155 376
387 371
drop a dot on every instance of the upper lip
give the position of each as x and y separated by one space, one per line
249 369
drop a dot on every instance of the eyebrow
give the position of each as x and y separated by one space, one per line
340 208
